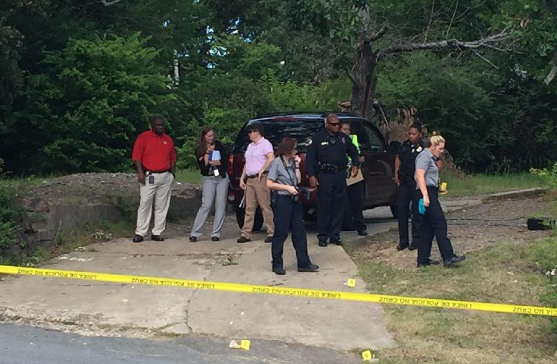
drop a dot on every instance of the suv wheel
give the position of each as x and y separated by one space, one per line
394 211
257 224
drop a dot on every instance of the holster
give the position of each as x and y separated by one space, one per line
404 178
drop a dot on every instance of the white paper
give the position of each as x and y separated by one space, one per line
215 155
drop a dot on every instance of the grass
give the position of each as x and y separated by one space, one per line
18 182
482 184
188 176
505 273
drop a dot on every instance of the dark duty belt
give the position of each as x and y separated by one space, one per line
331 168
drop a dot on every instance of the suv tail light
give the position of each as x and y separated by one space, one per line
231 165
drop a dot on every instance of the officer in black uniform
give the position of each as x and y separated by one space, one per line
326 167
404 178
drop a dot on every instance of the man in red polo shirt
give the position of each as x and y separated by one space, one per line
155 158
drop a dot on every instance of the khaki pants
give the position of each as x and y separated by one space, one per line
157 194
258 194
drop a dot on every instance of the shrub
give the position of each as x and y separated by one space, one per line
548 174
8 215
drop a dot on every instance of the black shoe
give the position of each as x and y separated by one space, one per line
412 247
428 263
322 243
309 269
337 242
215 238
242 239
279 271
268 239
401 247
193 239
362 232
454 260
157 238
137 239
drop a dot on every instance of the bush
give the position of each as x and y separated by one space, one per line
550 175
8 216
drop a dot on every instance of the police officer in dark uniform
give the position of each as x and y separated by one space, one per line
326 167
404 178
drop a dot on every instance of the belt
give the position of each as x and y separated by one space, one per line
157 172
255 175
331 168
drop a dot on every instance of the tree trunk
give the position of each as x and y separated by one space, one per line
363 80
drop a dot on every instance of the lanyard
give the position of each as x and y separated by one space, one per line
287 169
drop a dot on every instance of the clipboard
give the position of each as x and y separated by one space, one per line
353 180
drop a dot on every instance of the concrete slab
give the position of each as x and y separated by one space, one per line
116 309
324 323
127 310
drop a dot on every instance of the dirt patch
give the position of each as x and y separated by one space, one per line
470 229
93 188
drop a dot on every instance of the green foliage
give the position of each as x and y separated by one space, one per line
450 99
84 113
78 80
288 96
550 175
8 215
532 24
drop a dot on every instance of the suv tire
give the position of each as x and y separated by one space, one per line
394 211
258 223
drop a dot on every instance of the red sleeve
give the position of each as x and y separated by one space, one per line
172 152
138 148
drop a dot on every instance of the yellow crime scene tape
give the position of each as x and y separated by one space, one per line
281 291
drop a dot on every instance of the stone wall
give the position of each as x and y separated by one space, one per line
45 215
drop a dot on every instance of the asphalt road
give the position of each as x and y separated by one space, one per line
21 344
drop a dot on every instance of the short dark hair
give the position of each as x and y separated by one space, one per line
416 126
342 122
156 117
258 127
286 146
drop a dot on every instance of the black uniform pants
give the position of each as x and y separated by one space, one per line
331 202
289 217
406 194
354 213
434 225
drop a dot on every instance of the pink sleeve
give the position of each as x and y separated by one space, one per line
268 147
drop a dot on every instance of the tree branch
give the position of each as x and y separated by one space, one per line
553 71
452 19
430 19
380 33
445 44
109 3
484 59
352 78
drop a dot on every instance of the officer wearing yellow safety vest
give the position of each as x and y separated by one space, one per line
353 215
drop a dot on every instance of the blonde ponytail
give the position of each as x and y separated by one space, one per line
435 139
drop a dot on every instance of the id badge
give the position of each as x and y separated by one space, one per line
151 179
216 172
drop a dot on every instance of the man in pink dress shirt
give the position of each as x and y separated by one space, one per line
259 156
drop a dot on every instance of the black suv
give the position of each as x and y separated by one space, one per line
378 168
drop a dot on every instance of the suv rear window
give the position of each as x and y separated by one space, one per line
275 129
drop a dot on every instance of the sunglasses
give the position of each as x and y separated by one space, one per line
334 124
